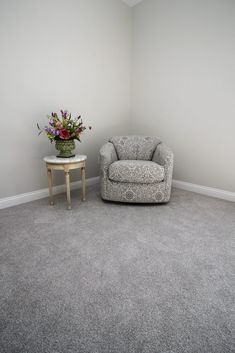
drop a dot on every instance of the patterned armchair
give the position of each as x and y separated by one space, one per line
136 169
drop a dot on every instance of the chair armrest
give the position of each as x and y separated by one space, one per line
164 156
108 155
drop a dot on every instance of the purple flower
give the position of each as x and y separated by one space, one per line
51 131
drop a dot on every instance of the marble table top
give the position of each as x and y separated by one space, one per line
56 160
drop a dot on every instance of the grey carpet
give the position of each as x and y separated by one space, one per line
113 278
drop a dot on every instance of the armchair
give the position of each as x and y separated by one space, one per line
136 169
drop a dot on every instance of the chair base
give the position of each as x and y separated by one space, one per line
135 193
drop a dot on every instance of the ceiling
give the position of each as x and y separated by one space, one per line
132 2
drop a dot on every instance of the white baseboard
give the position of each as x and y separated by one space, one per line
40 194
205 190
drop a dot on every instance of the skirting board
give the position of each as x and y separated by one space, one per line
205 190
40 194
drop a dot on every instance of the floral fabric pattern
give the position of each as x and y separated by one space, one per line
135 147
135 192
145 172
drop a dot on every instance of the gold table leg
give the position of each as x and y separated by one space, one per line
83 174
67 181
49 177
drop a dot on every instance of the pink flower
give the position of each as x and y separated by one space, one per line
58 125
64 134
79 130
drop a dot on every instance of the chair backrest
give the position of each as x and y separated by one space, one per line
135 147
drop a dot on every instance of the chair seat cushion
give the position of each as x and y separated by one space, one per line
132 171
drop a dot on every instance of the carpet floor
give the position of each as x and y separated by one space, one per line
115 278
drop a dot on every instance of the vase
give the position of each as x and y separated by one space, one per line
65 148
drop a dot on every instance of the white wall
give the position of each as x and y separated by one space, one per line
184 84
69 54
76 55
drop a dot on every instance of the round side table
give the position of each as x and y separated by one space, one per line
66 164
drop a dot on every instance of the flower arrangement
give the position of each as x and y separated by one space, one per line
64 127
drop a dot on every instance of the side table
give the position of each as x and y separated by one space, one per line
66 164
